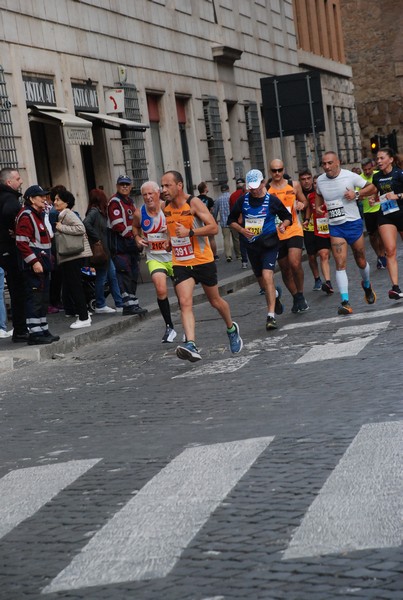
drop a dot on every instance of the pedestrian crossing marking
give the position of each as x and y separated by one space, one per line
376 314
147 536
335 350
360 506
228 365
25 491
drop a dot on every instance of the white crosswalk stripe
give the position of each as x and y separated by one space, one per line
334 350
24 491
361 504
147 536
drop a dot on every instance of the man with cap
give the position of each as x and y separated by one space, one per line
254 217
124 251
35 257
10 184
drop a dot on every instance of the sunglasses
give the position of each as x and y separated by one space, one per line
277 170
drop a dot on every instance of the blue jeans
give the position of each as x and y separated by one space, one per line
109 274
3 313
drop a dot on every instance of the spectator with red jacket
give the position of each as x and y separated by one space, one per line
35 257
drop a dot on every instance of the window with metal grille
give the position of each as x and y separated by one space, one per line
8 153
254 137
215 141
133 141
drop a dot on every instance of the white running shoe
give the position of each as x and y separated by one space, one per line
169 335
5 334
79 324
104 310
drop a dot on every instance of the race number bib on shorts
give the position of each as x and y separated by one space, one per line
182 248
156 242
388 206
254 225
336 212
322 225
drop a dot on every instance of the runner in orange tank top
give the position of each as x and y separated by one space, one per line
292 241
189 223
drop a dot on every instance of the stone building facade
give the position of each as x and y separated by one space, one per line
93 88
374 49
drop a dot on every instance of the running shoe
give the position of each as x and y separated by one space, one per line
370 296
317 285
327 288
381 262
262 292
345 308
235 340
169 335
188 351
302 304
294 308
395 293
244 265
271 323
279 306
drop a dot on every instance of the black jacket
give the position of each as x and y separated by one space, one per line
10 206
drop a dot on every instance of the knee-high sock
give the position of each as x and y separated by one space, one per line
342 283
165 310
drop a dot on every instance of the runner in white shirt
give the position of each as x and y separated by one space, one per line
335 189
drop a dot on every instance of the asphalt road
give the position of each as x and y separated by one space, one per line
127 473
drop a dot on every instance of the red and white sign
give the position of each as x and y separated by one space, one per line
114 101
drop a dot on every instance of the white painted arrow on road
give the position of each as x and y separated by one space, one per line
335 350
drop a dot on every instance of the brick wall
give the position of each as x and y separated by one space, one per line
374 49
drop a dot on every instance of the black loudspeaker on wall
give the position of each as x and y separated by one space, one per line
287 99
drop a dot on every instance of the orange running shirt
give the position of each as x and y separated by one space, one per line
288 198
187 251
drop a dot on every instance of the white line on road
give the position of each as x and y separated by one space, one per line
147 536
332 350
335 350
24 491
360 505
376 314
228 365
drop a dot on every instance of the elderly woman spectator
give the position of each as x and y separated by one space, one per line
69 224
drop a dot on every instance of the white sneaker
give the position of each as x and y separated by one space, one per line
5 334
169 335
79 324
105 310
119 309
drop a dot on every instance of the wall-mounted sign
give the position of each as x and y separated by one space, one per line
85 97
39 90
114 101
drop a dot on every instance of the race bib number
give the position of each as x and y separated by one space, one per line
322 225
182 248
388 206
336 212
156 242
254 225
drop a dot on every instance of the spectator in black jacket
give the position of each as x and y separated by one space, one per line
10 205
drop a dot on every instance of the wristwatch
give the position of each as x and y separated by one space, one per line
400 196
357 195
191 233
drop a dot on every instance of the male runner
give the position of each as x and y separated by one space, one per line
335 188
189 224
151 221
